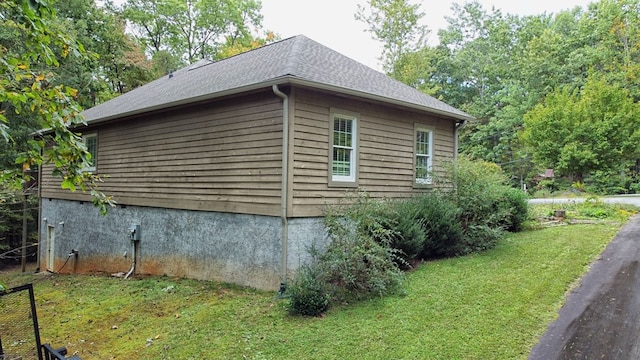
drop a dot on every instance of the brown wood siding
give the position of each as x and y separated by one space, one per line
218 156
385 149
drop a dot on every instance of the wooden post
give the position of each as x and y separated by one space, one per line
24 233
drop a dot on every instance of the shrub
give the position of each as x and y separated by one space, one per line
594 208
372 240
477 188
548 185
438 218
485 202
358 268
307 293
478 238
612 181
517 209
359 262
407 234
410 238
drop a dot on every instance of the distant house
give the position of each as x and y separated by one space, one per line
226 166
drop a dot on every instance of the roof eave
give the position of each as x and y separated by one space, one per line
216 95
284 80
361 94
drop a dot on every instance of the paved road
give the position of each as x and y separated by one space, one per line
622 199
601 318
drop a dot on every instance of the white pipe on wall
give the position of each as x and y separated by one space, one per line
284 184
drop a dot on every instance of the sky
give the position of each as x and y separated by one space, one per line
332 22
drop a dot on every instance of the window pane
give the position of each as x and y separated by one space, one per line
341 162
422 168
92 147
423 157
343 148
422 142
342 132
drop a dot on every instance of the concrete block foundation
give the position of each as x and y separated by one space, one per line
236 248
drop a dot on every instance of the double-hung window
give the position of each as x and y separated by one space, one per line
423 155
343 157
91 142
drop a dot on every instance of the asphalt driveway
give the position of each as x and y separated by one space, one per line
601 318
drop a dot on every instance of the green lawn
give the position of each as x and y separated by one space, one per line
489 306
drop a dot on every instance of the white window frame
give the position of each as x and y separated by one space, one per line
91 168
352 178
427 180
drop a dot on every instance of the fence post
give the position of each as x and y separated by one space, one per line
34 316
24 232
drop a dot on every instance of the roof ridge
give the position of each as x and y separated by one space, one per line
199 64
255 49
196 65
293 60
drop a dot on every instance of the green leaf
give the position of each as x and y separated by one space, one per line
68 184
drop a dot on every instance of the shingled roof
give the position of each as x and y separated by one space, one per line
296 60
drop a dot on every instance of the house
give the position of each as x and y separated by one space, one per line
222 169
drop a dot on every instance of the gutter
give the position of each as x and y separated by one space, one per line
284 185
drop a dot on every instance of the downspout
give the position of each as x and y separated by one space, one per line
284 186
458 127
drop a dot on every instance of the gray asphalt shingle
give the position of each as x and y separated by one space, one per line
296 59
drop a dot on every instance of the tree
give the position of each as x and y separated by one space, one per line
192 29
481 46
395 23
235 46
417 68
27 89
616 52
116 63
479 73
498 67
577 132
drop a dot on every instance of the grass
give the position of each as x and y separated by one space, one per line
493 305
592 208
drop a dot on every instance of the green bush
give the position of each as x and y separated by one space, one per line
422 227
358 268
307 293
406 233
359 262
372 240
594 208
478 238
438 218
389 223
485 202
517 209
609 182
477 187
410 239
